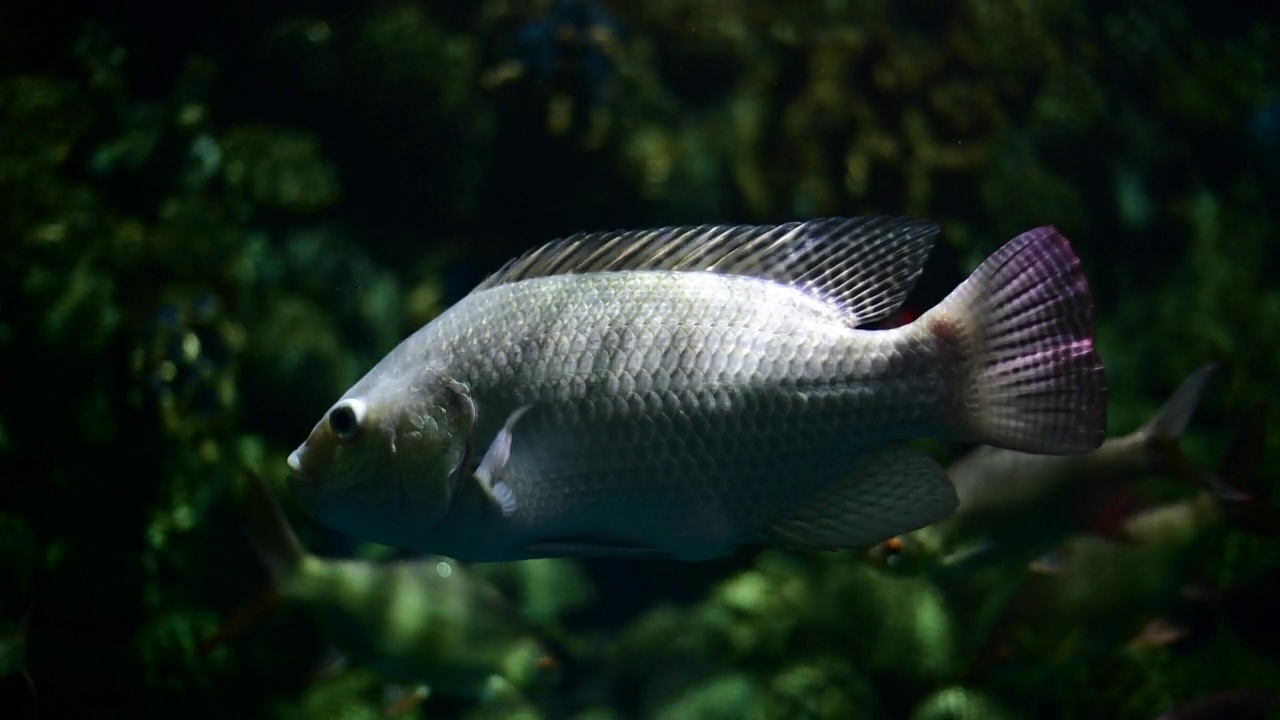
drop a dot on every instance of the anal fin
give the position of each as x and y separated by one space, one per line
892 491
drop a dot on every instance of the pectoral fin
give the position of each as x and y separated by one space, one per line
488 474
893 490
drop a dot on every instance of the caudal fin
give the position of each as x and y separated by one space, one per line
1022 326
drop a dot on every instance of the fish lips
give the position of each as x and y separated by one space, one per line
295 462
302 459
308 468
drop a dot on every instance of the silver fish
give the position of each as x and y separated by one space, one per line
680 392
1014 507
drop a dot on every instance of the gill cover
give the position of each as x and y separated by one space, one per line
436 453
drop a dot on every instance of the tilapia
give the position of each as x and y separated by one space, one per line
681 392
1015 506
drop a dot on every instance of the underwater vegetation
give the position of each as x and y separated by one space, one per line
215 217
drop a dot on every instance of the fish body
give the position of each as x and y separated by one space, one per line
693 455
1013 506
681 392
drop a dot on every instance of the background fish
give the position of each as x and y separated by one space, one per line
1014 506
1092 595
683 391
426 623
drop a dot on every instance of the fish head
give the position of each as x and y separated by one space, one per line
908 554
383 462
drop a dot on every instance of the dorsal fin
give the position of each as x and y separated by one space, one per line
865 265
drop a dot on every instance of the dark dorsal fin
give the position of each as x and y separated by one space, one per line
866 265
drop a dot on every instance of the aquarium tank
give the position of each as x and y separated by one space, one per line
884 359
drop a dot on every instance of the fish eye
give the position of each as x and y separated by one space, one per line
346 419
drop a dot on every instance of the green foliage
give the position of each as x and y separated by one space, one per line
210 230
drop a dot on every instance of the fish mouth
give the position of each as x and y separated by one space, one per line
298 474
304 459
299 478
295 461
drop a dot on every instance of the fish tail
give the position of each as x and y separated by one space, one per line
1161 435
1019 335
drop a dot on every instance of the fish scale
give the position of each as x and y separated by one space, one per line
792 392
683 391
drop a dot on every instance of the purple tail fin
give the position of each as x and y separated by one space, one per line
1022 325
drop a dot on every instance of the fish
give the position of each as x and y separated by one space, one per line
427 623
1091 596
1014 507
681 392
